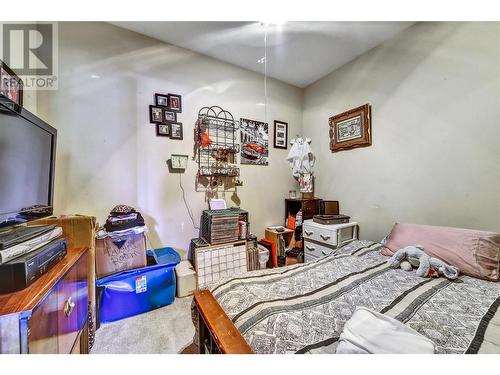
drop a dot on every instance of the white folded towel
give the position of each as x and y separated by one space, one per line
369 332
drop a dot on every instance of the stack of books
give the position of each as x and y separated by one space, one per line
252 257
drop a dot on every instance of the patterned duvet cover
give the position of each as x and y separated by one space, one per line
303 308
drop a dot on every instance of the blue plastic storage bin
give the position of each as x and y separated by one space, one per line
133 292
165 255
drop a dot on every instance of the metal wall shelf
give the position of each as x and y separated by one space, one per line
215 133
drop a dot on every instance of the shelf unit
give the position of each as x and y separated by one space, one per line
216 142
278 256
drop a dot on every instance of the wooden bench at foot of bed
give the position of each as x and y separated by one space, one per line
216 332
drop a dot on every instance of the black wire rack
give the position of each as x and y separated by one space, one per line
216 142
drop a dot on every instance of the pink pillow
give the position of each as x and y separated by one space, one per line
476 253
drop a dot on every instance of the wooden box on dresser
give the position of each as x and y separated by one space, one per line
308 206
50 316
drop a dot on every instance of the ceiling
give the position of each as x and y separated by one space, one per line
298 53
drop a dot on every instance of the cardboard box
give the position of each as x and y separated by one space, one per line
79 231
120 254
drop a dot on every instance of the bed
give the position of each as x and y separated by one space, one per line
303 308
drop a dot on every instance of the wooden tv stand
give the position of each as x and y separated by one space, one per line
49 316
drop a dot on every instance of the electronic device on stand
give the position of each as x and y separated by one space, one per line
46 284
16 235
26 194
26 269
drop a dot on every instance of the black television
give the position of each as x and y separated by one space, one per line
27 165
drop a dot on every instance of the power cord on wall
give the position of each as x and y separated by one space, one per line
185 202
265 73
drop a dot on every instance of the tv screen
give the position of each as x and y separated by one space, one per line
27 153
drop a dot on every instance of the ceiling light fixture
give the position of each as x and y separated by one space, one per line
261 60
273 23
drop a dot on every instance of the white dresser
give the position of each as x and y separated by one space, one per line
321 240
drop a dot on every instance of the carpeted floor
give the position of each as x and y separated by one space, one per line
165 330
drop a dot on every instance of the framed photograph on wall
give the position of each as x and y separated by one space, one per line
161 100
155 114
169 116
163 130
280 134
175 102
254 142
176 131
351 129
11 86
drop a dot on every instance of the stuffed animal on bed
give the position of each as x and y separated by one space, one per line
414 256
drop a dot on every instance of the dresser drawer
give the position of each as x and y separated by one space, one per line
335 235
56 323
316 250
72 300
42 336
324 235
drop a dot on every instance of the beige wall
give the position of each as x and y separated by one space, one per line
30 100
435 158
434 91
108 152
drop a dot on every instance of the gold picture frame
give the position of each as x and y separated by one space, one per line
351 129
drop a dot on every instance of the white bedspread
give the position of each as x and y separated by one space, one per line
369 332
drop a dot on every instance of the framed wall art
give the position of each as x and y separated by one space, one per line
11 86
155 114
254 142
161 100
351 129
176 131
169 116
175 102
280 134
163 130
163 113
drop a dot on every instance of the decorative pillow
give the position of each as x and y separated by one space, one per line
475 253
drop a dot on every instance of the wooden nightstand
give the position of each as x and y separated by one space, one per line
321 240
